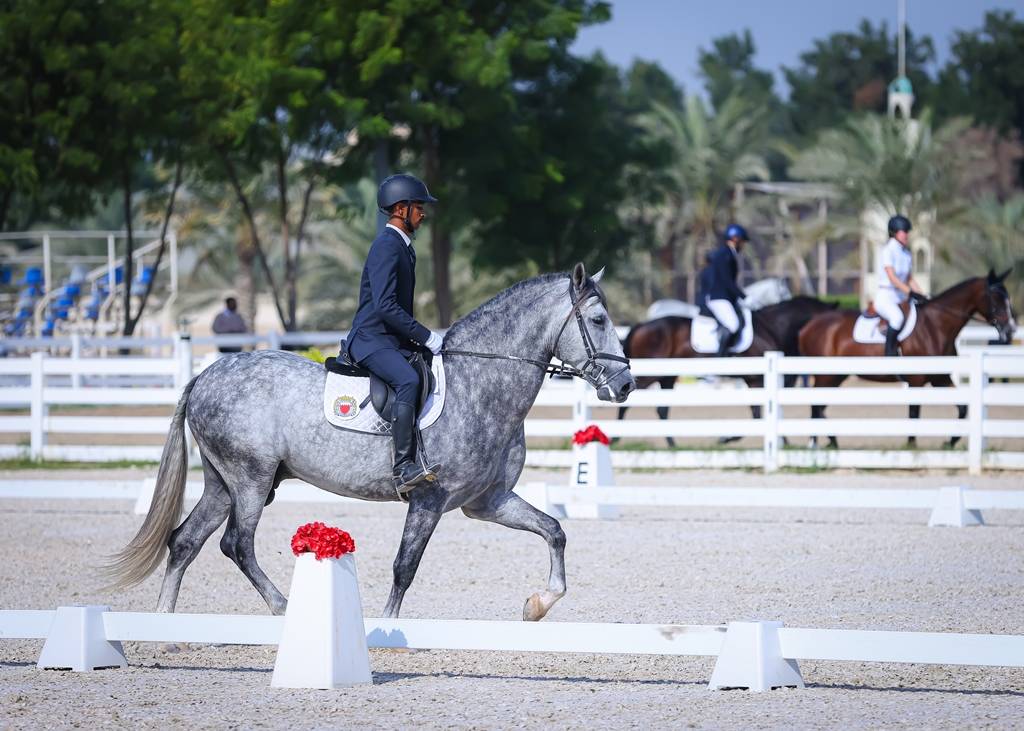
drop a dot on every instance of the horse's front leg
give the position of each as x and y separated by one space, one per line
510 510
425 504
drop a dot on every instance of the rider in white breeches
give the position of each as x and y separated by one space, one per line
896 283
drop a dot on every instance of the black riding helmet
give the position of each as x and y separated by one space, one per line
899 223
400 188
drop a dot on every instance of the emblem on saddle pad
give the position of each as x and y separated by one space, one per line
346 407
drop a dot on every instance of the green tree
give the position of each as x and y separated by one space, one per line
273 91
460 71
709 153
985 76
728 69
850 72
900 166
552 197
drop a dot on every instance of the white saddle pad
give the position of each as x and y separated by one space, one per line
347 402
868 330
704 334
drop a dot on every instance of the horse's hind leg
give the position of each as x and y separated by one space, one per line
512 511
187 539
238 541
425 510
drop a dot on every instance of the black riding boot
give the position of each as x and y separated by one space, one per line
890 341
408 472
725 339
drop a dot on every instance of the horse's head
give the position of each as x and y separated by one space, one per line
995 306
587 339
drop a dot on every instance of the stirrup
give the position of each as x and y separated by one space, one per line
428 474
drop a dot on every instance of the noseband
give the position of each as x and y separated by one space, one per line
591 371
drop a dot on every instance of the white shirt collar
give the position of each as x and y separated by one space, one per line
403 234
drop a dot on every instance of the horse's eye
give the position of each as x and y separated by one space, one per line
598 320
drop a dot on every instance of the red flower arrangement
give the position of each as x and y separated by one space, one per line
323 541
591 434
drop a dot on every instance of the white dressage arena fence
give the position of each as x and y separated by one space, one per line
41 382
957 505
754 655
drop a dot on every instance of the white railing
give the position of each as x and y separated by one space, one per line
754 655
39 382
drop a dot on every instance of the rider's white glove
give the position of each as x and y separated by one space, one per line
434 343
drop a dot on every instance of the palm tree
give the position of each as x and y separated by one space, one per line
708 153
898 165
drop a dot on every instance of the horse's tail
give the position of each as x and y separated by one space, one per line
133 563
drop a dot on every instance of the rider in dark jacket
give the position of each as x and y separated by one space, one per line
722 294
384 332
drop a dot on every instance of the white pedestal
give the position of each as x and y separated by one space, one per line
592 467
950 510
751 658
323 644
77 641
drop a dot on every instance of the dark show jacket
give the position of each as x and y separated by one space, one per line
384 316
723 270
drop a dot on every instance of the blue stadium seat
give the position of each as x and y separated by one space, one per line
33 275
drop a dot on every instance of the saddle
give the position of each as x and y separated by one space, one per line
382 396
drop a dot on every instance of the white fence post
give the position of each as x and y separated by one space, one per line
183 353
37 406
274 340
76 354
976 412
771 411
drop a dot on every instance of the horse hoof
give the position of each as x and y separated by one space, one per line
534 609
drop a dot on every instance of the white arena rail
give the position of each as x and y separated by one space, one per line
755 655
33 383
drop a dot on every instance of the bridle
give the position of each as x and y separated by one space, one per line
591 370
976 316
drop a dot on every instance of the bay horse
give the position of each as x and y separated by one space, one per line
258 419
939 321
776 327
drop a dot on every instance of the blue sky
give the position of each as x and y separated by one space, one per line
671 31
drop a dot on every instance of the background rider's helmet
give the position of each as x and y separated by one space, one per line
735 231
402 187
899 223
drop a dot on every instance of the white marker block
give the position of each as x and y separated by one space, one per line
323 643
751 658
592 467
77 641
949 510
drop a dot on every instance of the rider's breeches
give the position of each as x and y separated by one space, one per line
394 369
887 304
725 313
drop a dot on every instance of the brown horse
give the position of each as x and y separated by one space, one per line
776 327
939 320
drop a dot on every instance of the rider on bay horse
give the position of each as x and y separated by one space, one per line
896 283
721 293
384 332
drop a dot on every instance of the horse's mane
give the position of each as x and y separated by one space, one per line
498 300
955 289
484 311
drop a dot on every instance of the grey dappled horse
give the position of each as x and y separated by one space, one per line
258 419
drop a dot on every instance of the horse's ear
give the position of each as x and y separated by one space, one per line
1000 278
597 277
991 275
579 276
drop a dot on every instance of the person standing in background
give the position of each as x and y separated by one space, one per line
229 322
